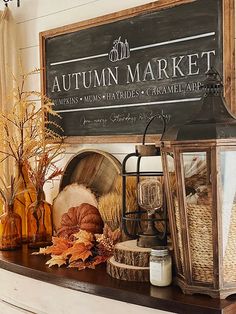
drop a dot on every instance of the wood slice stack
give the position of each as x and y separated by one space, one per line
129 262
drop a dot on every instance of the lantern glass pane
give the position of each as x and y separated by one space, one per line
228 206
175 210
198 211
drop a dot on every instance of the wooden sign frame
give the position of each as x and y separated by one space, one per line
228 56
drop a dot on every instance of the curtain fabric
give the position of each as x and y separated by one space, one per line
8 68
8 58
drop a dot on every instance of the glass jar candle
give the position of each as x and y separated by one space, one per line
160 267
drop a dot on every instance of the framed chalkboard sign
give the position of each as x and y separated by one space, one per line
108 76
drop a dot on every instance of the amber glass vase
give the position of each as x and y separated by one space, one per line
10 229
23 200
39 222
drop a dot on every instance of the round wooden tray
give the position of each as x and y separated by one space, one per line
93 168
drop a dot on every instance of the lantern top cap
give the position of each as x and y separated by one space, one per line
213 121
212 84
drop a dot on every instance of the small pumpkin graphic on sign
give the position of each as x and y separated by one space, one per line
119 51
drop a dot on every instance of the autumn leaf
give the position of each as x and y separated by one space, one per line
81 248
58 260
42 250
80 265
88 264
57 248
113 236
83 236
78 251
99 259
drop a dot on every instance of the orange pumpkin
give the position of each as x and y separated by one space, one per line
84 217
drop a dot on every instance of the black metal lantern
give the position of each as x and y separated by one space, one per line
199 160
151 205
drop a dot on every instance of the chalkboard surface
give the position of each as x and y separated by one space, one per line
111 78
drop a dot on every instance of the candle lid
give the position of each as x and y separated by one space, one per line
160 251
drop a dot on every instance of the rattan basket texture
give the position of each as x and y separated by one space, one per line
200 240
201 248
229 260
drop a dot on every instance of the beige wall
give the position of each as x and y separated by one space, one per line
35 16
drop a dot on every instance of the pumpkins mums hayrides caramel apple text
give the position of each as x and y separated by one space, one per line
82 217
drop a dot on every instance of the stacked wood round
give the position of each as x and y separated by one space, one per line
129 262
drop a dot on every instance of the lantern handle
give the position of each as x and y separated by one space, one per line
165 119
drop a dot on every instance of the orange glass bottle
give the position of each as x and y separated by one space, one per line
39 222
10 229
23 200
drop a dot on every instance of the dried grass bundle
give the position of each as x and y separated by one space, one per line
43 170
110 209
110 205
131 187
26 130
8 193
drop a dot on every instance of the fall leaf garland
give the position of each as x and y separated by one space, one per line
82 250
